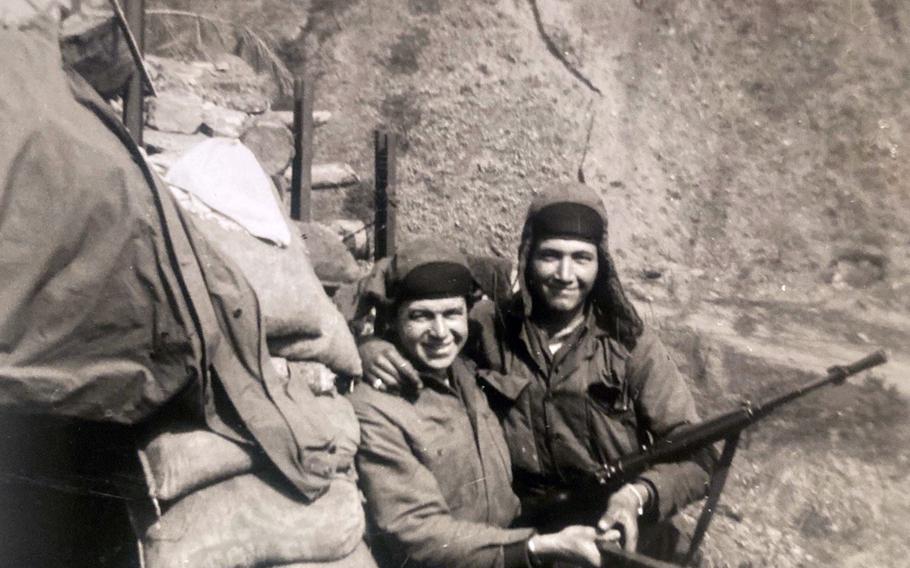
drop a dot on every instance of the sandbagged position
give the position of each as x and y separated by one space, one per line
216 503
301 323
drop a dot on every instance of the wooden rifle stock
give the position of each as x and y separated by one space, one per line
616 557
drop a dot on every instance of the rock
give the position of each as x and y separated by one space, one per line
230 63
321 117
286 118
175 112
327 176
250 102
229 82
272 145
170 74
858 267
354 235
234 84
283 118
334 174
329 256
221 121
157 142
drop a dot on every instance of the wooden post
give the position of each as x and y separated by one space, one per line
384 144
302 164
132 100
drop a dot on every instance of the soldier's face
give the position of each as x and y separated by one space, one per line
562 272
432 332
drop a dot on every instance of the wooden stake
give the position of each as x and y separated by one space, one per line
302 164
134 21
384 144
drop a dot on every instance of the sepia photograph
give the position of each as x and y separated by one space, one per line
454 283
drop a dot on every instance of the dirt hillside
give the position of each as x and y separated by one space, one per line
748 139
749 152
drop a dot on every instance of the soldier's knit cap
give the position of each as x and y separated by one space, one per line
428 269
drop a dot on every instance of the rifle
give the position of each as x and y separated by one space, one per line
728 427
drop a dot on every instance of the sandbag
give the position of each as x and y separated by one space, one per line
176 463
255 520
179 459
301 322
331 259
334 409
360 558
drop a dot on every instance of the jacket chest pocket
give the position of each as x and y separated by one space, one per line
451 458
611 415
608 388
611 399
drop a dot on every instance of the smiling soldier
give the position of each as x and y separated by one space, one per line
433 464
577 381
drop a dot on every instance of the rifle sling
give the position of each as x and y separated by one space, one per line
718 480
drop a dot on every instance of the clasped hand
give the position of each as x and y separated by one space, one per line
619 524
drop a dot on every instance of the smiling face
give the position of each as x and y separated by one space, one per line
432 332
562 273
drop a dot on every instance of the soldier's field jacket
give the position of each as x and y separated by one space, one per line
435 471
566 414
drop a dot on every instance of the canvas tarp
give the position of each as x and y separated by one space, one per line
225 175
111 302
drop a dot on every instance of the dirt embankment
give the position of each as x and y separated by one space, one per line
747 151
749 140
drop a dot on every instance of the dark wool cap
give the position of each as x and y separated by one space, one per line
435 280
427 269
568 220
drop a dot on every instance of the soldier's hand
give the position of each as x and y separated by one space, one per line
620 522
573 545
384 368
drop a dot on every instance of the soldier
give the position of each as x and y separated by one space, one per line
577 381
433 463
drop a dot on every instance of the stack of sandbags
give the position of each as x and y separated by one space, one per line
216 503
219 504
301 321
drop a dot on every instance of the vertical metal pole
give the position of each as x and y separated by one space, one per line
302 164
384 145
132 101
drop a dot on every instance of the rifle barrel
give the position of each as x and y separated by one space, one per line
719 427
